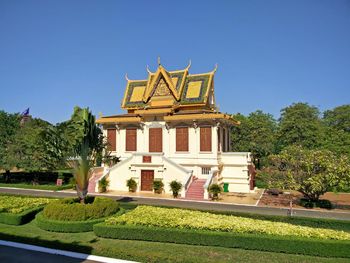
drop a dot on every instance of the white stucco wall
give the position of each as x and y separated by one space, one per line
235 165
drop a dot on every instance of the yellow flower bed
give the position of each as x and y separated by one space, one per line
18 204
180 218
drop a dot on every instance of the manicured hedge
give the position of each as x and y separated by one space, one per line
69 209
21 218
315 247
69 226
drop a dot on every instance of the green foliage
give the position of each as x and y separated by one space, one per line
300 124
311 172
305 246
70 210
307 203
186 219
215 190
132 185
175 187
158 186
87 141
18 204
9 125
103 185
19 218
68 226
256 134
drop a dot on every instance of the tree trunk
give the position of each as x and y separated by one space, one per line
7 176
81 194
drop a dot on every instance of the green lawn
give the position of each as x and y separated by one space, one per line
145 251
40 187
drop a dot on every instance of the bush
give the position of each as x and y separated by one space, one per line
69 226
158 186
69 209
103 185
175 188
325 248
21 218
187 219
215 190
132 185
323 203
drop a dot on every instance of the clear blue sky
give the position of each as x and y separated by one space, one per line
58 54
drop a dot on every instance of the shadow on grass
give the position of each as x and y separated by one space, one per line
55 244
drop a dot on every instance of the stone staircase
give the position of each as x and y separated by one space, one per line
96 174
196 190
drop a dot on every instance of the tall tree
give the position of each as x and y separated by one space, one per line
9 125
300 124
256 134
337 130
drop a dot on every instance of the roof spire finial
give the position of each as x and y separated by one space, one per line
149 72
216 67
126 77
189 65
159 61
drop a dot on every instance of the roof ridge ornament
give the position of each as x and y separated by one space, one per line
126 77
149 72
216 68
158 60
189 65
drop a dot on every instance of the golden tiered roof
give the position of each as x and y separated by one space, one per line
175 95
170 89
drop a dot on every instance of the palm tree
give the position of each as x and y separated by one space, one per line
87 141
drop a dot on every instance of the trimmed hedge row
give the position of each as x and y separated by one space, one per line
21 218
314 247
69 226
69 209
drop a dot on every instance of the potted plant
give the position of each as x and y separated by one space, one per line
215 190
132 185
175 187
158 186
103 185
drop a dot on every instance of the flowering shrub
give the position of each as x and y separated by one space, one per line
18 204
186 219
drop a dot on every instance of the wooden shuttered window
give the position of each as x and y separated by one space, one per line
182 139
205 138
111 140
131 140
155 140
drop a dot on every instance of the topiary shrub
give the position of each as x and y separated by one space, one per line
132 185
158 186
215 190
69 209
175 188
103 185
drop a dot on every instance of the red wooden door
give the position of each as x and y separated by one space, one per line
147 177
155 140
205 137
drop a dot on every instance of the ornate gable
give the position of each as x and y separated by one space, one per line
170 89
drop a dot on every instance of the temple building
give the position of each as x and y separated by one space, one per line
173 131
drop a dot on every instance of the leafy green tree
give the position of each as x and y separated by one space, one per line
300 124
29 148
256 134
311 172
9 125
338 118
337 130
